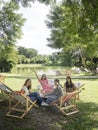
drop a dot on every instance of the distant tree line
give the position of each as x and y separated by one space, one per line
29 55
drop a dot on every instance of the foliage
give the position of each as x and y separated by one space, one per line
66 59
28 55
27 52
55 58
10 30
10 23
73 29
21 59
8 57
26 3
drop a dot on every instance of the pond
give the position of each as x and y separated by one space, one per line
49 70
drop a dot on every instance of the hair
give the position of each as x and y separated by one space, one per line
68 77
29 87
71 84
57 80
43 75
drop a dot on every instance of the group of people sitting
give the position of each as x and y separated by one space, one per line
48 93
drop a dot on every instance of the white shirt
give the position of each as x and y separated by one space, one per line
24 88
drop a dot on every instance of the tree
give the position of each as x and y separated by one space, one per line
73 28
21 59
10 23
8 57
26 3
55 58
27 52
10 30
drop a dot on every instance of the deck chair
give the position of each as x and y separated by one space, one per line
2 79
18 102
4 89
67 103
79 87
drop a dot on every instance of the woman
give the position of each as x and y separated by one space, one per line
46 87
69 86
34 95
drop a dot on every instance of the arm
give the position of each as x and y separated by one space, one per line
65 87
36 74
22 91
74 86
42 82
48 93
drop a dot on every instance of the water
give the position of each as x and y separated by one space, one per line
48 70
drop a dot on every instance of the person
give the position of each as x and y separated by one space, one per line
56 93
32 95
69 86
46 87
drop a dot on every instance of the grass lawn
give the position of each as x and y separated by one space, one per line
49 118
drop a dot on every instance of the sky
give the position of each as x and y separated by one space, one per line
35 31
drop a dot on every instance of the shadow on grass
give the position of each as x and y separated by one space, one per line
49 118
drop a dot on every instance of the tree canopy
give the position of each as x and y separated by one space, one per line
11 23
73 26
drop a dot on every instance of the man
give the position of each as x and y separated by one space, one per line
56 93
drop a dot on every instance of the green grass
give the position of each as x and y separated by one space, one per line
88 94
48 118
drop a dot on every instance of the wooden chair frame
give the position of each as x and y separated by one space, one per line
2 79
66 102
22 105
79 86
17 102
3 89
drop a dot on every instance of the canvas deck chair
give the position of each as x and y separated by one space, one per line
4 89
67 103
19 104
79 87
2 79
